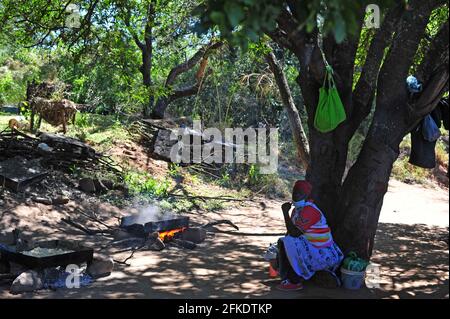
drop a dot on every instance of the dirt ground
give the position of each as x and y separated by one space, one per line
411 249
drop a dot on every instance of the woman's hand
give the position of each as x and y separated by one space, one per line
286 207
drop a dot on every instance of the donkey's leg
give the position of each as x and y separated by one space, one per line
32 121
64 122
39 121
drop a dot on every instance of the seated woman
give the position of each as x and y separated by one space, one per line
308 246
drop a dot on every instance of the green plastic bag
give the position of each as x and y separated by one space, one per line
330 110
354 263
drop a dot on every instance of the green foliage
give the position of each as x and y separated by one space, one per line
224 180
241 21
143 183
437 19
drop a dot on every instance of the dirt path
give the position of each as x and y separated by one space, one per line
413 258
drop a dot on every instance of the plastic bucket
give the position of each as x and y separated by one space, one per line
353 280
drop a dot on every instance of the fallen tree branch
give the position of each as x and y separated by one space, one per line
206 197
250 234
219 222
129 257
82 228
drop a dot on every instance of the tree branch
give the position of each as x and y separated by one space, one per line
134 35
189 64
365 88
433 72
300 140
404 46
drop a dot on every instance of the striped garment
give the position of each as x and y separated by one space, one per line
311 221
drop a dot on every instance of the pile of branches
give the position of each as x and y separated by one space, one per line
55 151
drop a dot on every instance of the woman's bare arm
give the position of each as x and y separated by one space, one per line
292 230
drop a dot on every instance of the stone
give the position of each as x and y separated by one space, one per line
60 200
196 235
185 243
107 183
87 185
42 200
101 266
99 187
26 282
158 244
154 235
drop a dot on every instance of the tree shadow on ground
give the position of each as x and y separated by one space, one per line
413 259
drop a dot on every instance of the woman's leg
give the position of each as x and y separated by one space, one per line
285 269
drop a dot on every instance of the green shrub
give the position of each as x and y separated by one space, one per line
143 183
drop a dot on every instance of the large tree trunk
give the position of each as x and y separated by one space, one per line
358 208
352 203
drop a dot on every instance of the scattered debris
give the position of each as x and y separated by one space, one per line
60 152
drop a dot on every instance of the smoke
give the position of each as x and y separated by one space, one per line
150 213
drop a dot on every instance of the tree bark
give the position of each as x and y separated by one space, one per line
352 203
298 133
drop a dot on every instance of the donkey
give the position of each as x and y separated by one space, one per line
54 112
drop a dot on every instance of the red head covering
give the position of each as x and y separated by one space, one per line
303 186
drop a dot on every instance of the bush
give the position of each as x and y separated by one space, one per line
143 183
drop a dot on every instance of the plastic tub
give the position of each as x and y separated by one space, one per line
353 280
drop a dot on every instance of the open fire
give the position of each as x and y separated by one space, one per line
150 220
170 234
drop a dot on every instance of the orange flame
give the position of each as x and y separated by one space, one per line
168 235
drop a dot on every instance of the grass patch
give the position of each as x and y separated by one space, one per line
103 131
403 171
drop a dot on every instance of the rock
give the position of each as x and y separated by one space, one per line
101 266
26 282
87 185
194 234
122 188
185 243
99 187
42 200
158 244
107 183
60 200
154 235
